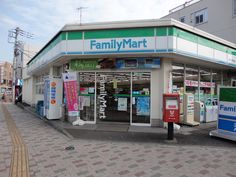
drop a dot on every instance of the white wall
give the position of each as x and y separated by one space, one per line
27 88
220 18
159 85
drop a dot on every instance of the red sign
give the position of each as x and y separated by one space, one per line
171 107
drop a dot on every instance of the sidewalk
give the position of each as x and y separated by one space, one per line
120 154
186 135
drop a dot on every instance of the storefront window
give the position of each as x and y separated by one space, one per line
113 97
86 95
178 78
191 81
141 97
178 82
226 78
205 85
216 82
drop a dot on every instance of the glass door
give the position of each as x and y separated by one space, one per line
113 97
86 95
141 97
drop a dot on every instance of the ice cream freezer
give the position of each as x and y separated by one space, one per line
52 97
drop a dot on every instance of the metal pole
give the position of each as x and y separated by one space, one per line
170 135
14 64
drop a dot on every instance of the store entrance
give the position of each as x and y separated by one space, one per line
113 97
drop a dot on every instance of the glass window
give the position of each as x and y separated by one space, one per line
178 82
191 81
178 78
141 97
86 95
216 82
182 19
226 78
205 84
201 16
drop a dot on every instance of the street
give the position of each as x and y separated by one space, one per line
47 155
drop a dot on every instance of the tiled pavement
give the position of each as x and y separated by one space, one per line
48 157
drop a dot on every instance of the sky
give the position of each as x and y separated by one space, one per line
45 18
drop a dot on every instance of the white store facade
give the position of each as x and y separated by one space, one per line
127 66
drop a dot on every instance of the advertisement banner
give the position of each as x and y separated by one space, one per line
70 86
192 83
46 93
122 104
143 106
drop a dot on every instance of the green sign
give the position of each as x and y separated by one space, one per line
83 64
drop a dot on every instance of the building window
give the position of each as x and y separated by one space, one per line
201 16
182 19
234 7
39 85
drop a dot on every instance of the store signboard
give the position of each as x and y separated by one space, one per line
82 64
227 109
70 86
226 127
192 83
140 63
119 45
112 63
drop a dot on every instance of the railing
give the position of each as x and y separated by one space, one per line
187 3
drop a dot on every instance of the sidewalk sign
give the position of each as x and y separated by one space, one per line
226 124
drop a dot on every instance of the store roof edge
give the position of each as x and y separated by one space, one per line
133 24
145 23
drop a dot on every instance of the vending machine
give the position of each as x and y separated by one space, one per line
208 111
215 109
53 97
189 110
199 111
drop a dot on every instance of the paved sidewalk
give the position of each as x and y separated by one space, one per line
109 158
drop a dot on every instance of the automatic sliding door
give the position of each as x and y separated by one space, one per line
86 95
113 97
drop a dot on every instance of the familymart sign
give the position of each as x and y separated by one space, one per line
120 45
227 109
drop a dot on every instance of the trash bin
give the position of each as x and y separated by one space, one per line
40 108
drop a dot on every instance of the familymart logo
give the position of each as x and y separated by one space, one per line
118 45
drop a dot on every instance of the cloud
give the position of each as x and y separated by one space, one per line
46 18
8 21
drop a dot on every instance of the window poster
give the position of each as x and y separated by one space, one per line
143 106
87 101
122 104
81 103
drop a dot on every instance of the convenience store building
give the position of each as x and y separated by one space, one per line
123 68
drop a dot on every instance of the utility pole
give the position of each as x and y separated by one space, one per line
80 9
13 37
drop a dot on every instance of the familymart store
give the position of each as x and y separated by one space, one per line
122 69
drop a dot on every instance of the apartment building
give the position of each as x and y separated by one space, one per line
216 17
6 71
